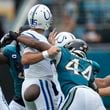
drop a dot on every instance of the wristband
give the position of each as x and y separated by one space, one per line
45 54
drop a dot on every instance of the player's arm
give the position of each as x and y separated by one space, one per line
100 82
104 91
34 57
31 58
29 41
107 80
33 43
103 82
3 58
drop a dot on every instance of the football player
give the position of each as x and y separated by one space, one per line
39 89
78 72
10 54
75 73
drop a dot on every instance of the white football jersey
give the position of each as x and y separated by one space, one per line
39 69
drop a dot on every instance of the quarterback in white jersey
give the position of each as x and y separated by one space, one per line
39 90
36 70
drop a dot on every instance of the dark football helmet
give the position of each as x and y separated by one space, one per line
77 46
5 40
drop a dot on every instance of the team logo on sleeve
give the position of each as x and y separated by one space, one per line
14 56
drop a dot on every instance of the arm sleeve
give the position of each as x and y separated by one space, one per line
6 51
96 67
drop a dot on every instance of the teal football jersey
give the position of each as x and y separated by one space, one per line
14 65
74 70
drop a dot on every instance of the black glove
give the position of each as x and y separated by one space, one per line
5 40
13 35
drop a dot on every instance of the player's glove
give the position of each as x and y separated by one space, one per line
13 35
5 40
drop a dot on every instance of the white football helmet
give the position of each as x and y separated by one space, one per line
64 38
40 17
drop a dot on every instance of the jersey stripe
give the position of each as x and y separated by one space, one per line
69 100
45 96
51 101
61 99
32 35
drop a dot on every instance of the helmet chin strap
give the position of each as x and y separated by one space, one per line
80 53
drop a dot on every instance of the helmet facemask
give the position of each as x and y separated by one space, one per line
77 46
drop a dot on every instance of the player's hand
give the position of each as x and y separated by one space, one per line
13 35
52 36
53 51
5 40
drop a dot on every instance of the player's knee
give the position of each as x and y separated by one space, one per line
32 92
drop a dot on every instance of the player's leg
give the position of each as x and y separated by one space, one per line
72 101
28 105
3 103
83 98
94 102
47 99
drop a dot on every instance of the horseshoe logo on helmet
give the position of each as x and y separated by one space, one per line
47 15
